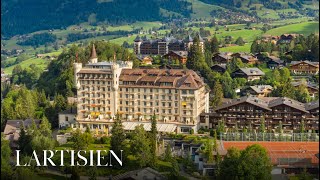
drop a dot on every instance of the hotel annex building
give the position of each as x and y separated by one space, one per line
176 96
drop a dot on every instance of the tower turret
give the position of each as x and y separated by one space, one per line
93 57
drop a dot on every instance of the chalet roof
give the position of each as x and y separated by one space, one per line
274 58
252 71
93 52
183 54
248 99
179 78
309 85
224 55
248 57
306 61
223 66
312 105
141 57
12 128
289 102
261 88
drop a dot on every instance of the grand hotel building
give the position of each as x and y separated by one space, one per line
176 96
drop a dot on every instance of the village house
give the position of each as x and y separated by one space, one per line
287 38
67 118
248 73
222 58
304 67
177 55
46 56
258 90
274 62
12 130
245 58
312 88
220 68
145 59
270 38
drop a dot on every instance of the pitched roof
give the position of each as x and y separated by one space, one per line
12 128
179 78
248 99
225 55
309 85
261 88
289 102
189 39
252 71
137 39
224 66
183 54
93 52
312 105
141 57
306 61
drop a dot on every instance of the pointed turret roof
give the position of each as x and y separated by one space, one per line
137 39
189 38
200 38
93 52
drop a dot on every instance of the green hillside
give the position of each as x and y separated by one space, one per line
300 28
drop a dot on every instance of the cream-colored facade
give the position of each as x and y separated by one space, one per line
177 97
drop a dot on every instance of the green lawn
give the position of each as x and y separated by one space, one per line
37 61
245 48
305 28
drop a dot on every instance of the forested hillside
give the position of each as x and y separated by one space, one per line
18 16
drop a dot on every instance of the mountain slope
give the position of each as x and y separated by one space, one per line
20 16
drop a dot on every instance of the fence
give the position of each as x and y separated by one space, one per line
292 137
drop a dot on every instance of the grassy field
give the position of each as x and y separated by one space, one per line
202 10
245 48
305 28
37 61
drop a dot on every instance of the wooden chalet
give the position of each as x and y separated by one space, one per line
247 112
313 89
248 73
245 58
145 59
304 67
220 68
222 58
174 55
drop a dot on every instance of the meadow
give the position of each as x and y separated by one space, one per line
304 28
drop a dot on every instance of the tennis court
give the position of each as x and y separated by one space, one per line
293 154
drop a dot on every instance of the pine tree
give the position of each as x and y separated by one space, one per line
217 94
140 145
167 153
214 45
196 60
118 135
240 41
